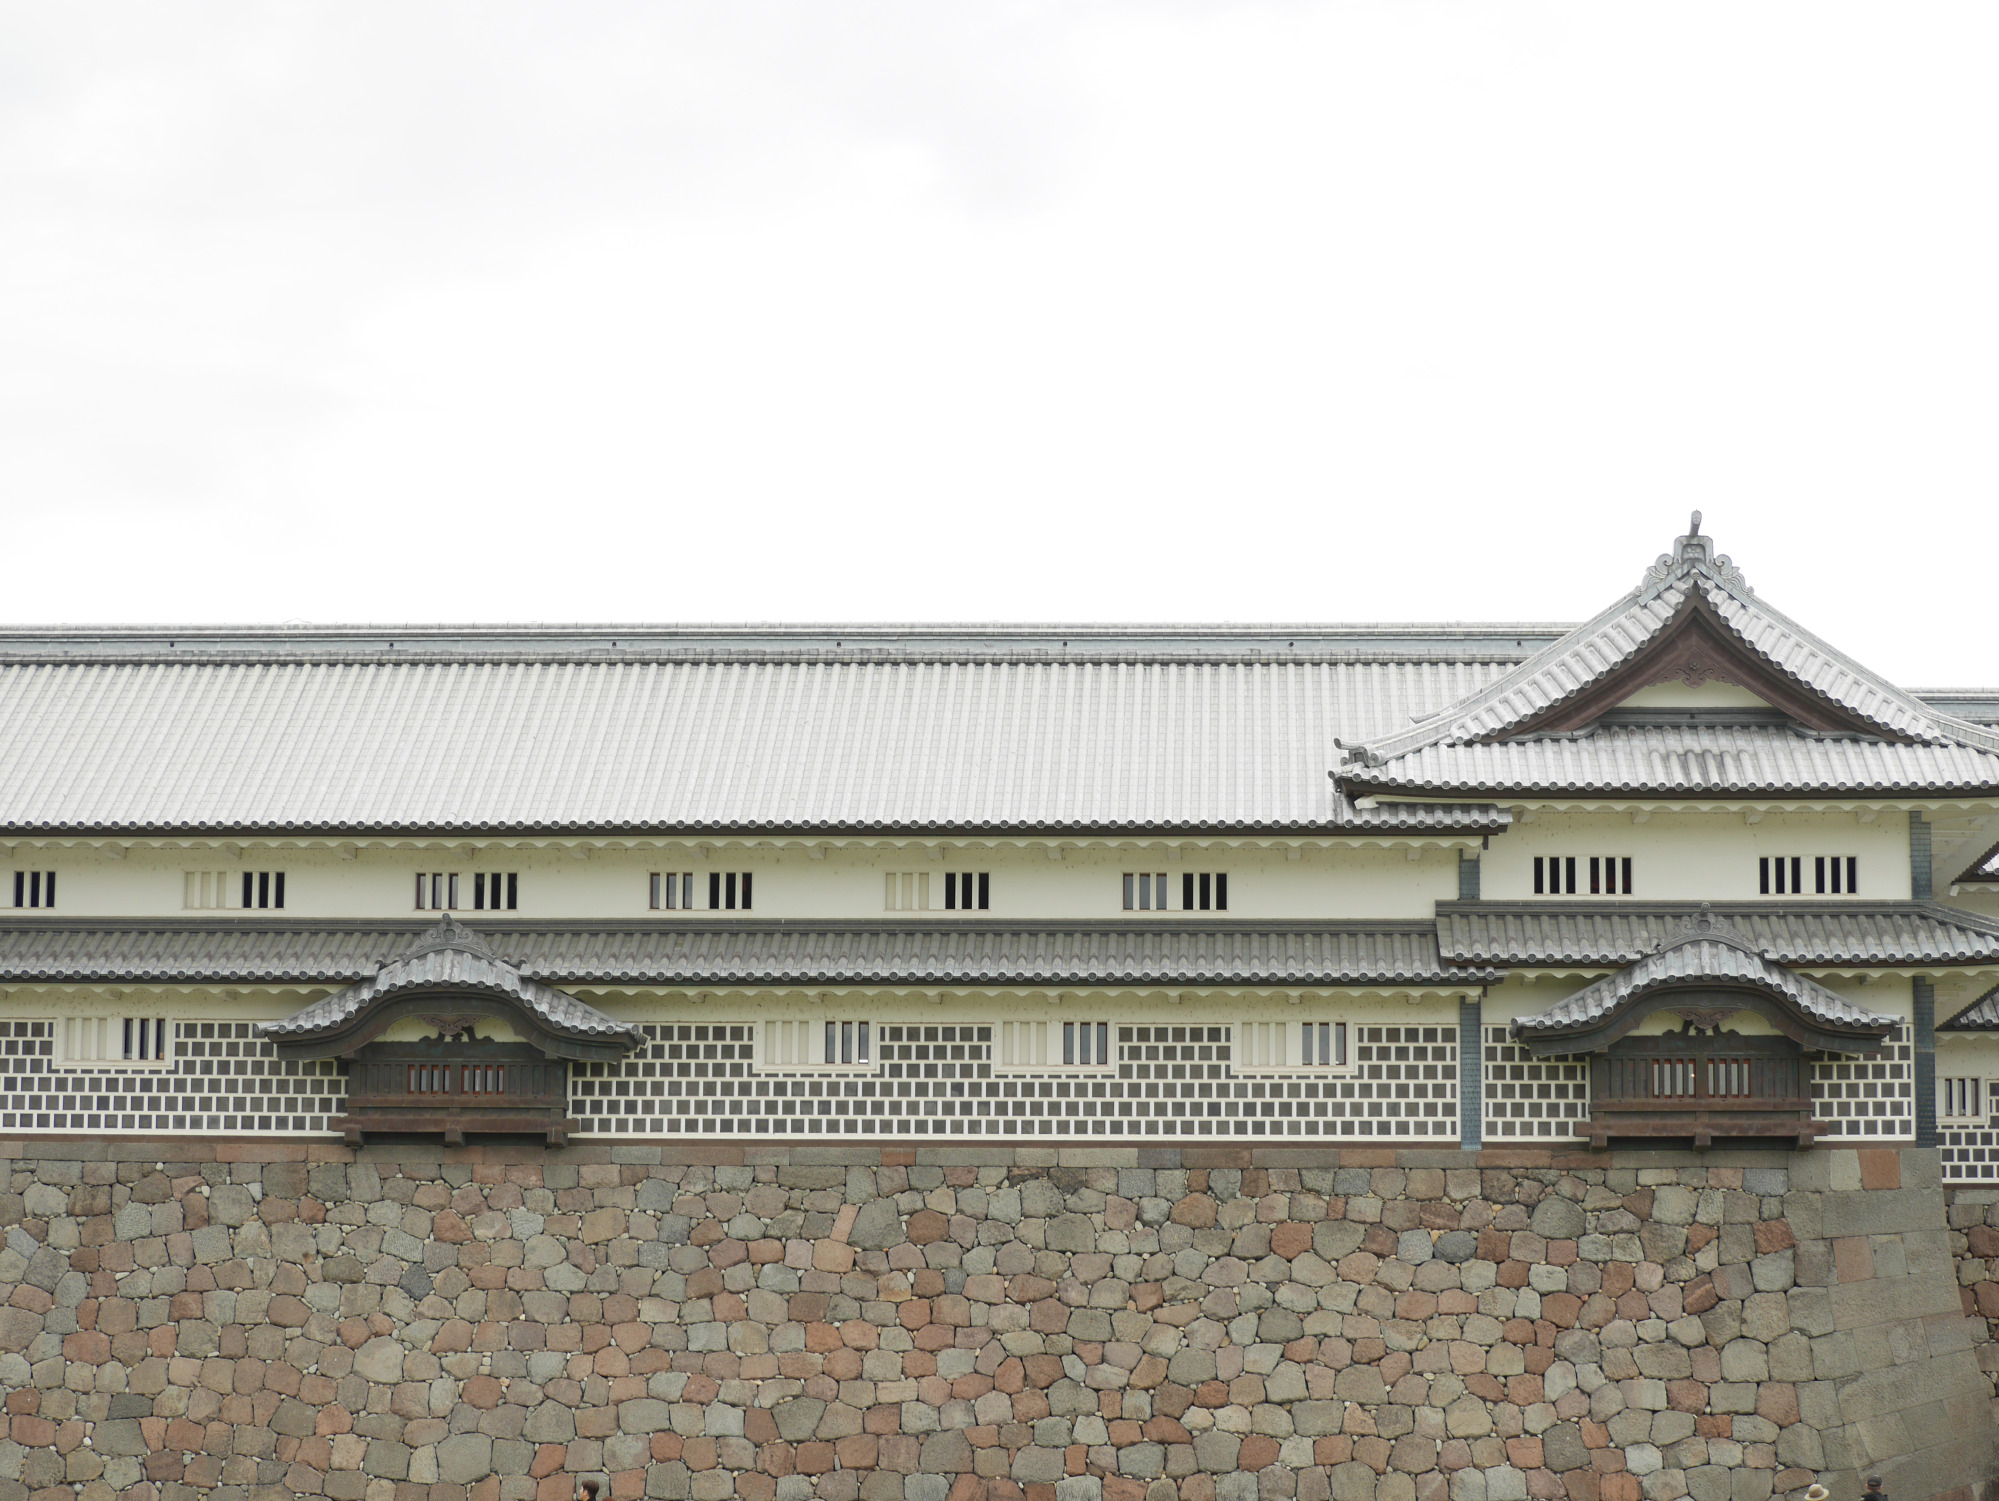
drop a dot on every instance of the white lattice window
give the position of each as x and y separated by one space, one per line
672 890
1961 1099
905 891
115 1039
821 1042
1273 1045
1064 1044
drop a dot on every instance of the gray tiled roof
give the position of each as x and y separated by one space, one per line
1681 761
1819 933
700 744
1982 1015
449 957
1566 667
748 952
1693 962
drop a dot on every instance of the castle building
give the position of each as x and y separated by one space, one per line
1469 1063
1685 875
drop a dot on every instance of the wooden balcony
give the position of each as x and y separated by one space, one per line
1701 1086
456 1089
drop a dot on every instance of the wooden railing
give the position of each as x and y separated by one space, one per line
1701 1086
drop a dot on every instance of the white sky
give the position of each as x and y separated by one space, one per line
1402 311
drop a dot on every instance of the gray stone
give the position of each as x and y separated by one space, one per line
380 1360
464 1458
1555 1218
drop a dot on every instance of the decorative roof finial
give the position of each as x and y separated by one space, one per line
1694 527
1694 551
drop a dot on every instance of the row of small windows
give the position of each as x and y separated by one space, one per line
1606 875
1203 891
910 890
727 891
444 891
1830 875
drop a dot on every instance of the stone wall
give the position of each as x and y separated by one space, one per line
936 1324
1974 1223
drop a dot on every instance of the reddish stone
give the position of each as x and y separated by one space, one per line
1714 1425
1880 1167
1290 1239
1988 1299
1982 1240
1257 1451
1700 1295
1774 1235
926 1226
1777 1401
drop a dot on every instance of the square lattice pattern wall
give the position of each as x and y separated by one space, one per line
1529 1098
216 1079
1871 1096
693 1079
1970 1151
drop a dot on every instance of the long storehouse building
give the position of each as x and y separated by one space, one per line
1684 876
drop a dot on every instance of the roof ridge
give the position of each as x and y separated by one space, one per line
1598 647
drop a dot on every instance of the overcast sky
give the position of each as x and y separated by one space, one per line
1062 311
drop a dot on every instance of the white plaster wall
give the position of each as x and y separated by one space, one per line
846 884
1701 856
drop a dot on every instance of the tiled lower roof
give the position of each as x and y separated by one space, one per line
1817 933
752 952
450 957
1700 962
1715 760
1982 1015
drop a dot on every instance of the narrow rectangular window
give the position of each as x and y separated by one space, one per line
1626 887
1595 876
479 892
420 902
832 1042
1103 1043
453 891
1207 892
715 896
1797 875
846 1042
1763 875
1068 1042
1818 875
21 888
1186 893
1569 869
1130 896
1221 891
950 891
985 890
657 904
249 889
263 888
1538 877
746 890
861 1052
1853 875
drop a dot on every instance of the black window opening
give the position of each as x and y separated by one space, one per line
34 888
1205 892
436 891
1086 1044
1785 875
263 888
846 1042
729 891
1573 875
496 892
145 1039
968 891
1324 1043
